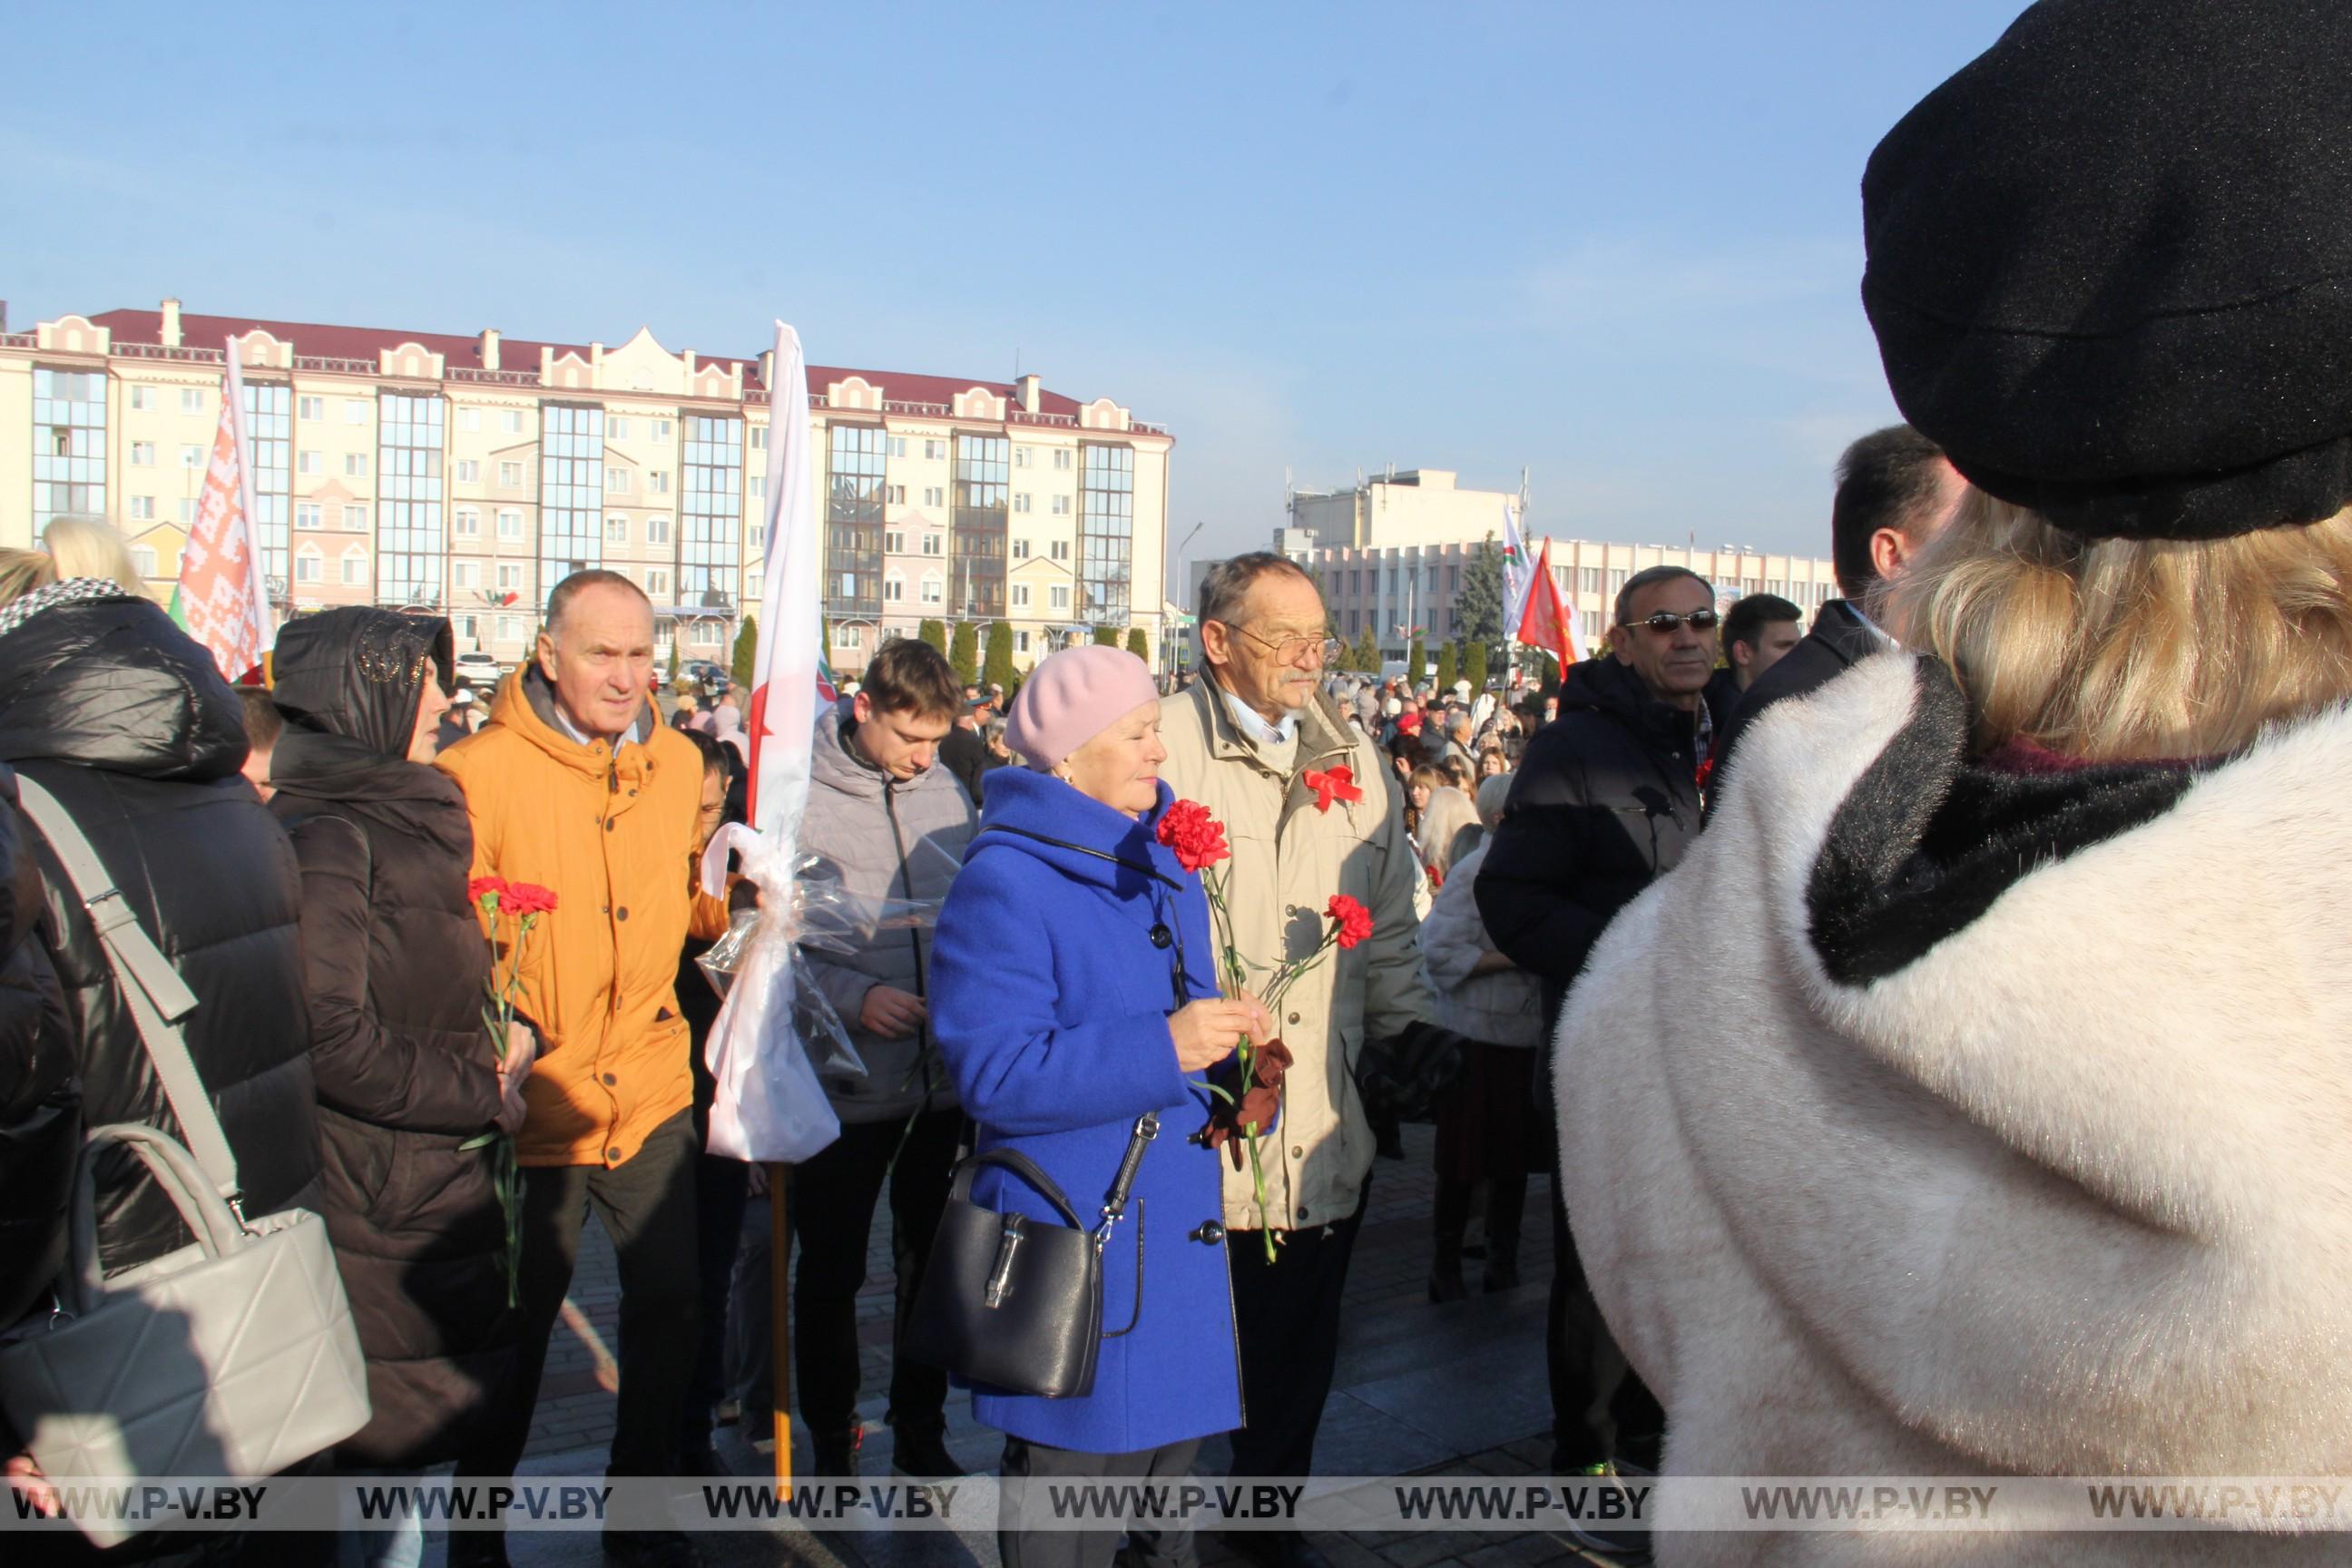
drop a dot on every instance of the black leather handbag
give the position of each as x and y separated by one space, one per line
1016 1303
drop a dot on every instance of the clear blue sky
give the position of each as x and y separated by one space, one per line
1618 244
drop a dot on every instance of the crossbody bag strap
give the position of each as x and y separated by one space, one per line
1113 1208
159 998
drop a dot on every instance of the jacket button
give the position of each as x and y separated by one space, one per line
1294 1017
615 1154
1209 1232
622 913
603 909
610 1080
1160 936
1297 1153
1302 1211
611 823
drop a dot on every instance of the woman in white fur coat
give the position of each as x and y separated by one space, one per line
2010 1131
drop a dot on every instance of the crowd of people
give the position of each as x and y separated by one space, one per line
1929 1013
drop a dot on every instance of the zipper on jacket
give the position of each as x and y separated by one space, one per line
914 937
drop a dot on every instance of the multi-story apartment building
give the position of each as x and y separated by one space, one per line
468 474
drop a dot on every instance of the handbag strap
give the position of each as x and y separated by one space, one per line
1114 1206
159 998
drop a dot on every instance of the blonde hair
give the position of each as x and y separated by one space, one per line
24 571
1445 821
2120 649
1492 793
89 547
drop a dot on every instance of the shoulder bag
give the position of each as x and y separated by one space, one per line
234 1356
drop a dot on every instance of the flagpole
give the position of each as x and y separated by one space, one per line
780 1320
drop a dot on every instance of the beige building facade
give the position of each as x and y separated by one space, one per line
468 474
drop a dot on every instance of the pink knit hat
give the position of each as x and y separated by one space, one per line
1073 696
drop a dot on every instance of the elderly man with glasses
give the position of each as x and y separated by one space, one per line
1310 810
1605 802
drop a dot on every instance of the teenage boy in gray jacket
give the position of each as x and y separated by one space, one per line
875 797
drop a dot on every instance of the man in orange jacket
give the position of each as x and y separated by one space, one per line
576 784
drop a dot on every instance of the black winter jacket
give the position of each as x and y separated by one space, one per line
1604 802
40 1097
1840 636
121 717
397 969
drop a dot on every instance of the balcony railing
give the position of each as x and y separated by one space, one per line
20 340
184 355
338 366
493 377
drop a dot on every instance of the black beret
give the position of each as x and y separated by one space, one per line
2110 264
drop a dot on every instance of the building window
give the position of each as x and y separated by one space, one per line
571 489
931 589
143 509
1617 579
468 521
1020 596
1061 506
1020 642
355 464
307 567
894 542
616 530
759 487
469 472
509 628
311 407
1020 497
1057 549
510 524
855 491
192 400
411 549
188 515
465 576
931 542
657 482
656 582
510 476
469 420
469 627
661 429
355 518
897 446
510 421
310 516
1062 459
616 481
1021 455
894 589
759 437
850 636
192 456
143 559
1021 549
269 437
935 450
616 428
354 569
308 463
142 454
1058 597
509 576
142 397
710 510
934 497
895 495
356 411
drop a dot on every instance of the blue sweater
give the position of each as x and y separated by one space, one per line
1050 1001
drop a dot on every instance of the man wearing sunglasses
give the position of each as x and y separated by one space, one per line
1604 802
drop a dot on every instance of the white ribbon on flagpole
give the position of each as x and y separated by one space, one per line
768 1104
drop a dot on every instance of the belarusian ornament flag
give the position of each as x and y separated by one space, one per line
220 598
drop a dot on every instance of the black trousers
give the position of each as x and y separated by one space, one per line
1288 1314
646 1205
720 1201
1146 1548
1587 1370
831 1212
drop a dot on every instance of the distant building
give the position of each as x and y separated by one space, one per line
1419 507
466 474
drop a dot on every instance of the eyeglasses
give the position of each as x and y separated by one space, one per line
1290 650
1668 622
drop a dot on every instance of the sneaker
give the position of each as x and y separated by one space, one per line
921 1453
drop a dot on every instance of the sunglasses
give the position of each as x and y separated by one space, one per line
1668 621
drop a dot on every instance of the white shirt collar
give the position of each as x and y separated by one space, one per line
1873 627
1253 723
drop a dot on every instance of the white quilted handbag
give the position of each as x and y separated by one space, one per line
234 1356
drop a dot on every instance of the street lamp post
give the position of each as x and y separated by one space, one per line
1168 644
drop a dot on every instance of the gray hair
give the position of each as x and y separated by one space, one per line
1227 583
1646 577
572 587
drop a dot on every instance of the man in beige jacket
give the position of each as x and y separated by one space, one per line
1244 743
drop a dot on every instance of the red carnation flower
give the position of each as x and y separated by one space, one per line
1354 921
1197 838
528 899
487 891
1338 784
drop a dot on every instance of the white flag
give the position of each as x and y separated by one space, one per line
1519 572
768 1104
220 598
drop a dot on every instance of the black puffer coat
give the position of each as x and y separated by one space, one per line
396 967
1604 804
40 1097
116 712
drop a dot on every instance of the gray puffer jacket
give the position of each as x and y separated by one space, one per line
865 828
1502 1008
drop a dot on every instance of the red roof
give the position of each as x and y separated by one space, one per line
324 341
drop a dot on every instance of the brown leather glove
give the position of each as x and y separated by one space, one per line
1260 1100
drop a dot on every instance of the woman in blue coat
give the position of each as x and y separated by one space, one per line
1073 991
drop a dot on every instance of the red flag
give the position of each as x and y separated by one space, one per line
1545 622
220 567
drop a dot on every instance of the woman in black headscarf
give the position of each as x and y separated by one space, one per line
396 969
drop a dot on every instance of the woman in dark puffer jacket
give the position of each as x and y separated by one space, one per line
396 969
40 1119
122 717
